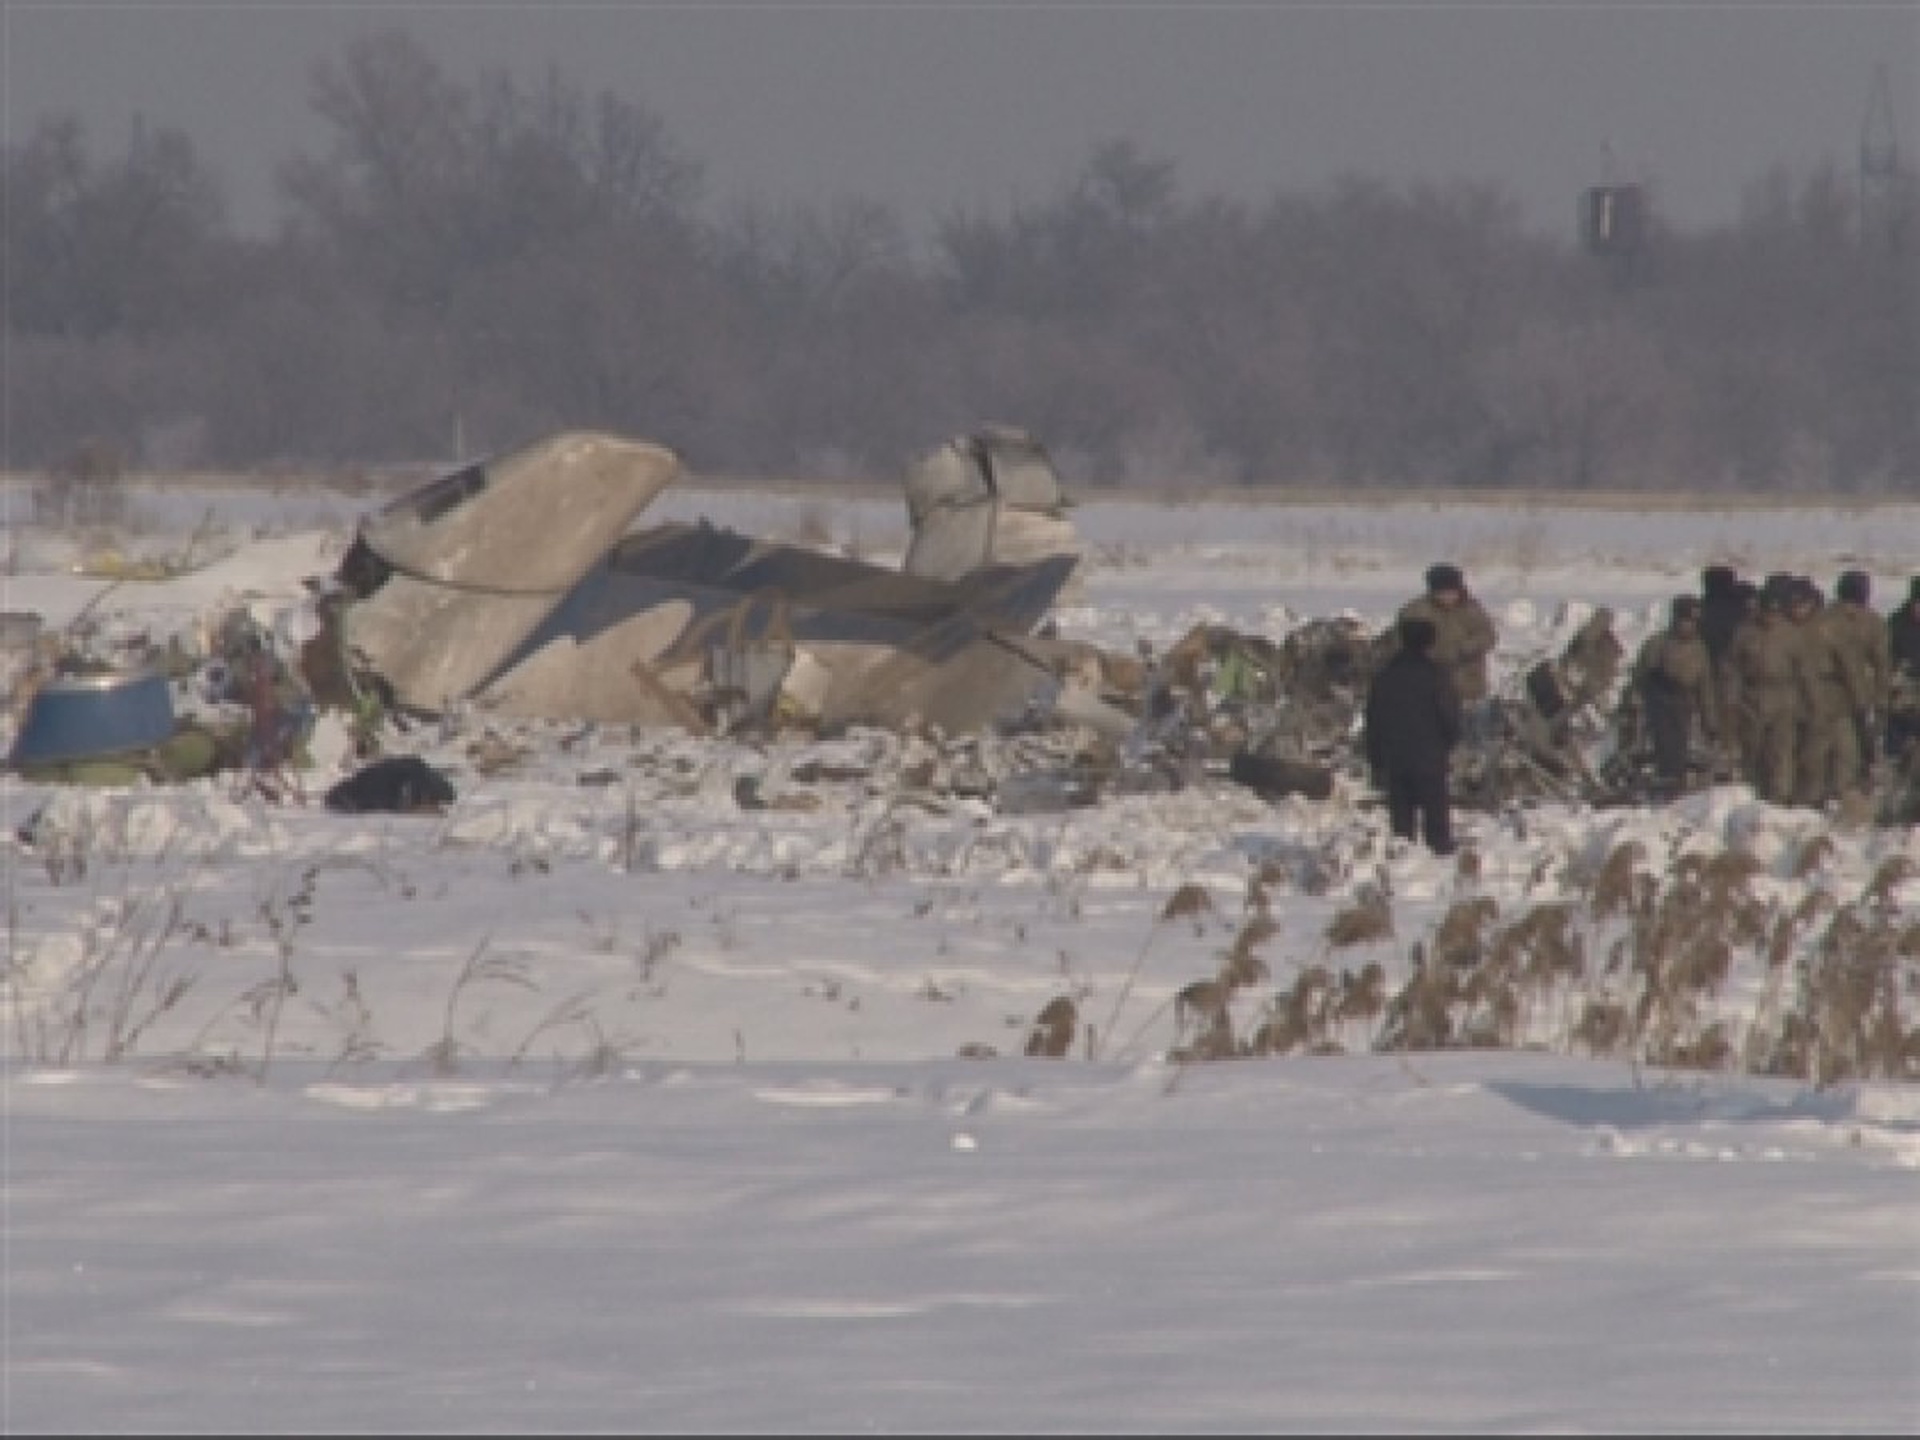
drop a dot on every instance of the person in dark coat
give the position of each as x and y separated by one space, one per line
1722 607
1903 631
1903 645
1412 725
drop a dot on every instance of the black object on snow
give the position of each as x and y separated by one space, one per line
404 784
1274 777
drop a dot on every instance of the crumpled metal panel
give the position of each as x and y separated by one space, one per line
952 509
533 520
513 584
436 644
483 555
1023 473
989 497
666 595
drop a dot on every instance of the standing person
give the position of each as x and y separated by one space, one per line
1734 726
1464 638
1903 645
1903 631
1862 633
1673 675
1767 691
1722 607
1412 724
1827 765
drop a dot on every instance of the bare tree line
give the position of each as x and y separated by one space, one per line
499 258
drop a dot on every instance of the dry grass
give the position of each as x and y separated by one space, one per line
1054 1028
1604 1026
1420 1016
1544 945
1368 920
1190 899
1892 873
1242 965
1203 1022
1202 1009
1296 1017
1618 886
1816 855
1460 938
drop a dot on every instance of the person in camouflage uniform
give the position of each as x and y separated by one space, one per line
1590 664
1767 691
1464 638
1863 635
1827 765
1673 676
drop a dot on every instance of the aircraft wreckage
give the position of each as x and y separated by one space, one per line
519 586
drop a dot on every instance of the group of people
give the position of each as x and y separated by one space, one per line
1793 691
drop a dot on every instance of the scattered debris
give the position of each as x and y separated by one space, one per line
400 784
514 591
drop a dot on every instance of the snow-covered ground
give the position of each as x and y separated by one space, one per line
604 1103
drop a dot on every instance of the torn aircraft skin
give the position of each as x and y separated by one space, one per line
456 574
989 496
888 647
686 625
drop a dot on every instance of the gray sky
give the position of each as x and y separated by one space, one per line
929 106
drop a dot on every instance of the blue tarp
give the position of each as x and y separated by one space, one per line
86 717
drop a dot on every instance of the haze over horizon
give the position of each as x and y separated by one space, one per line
932 107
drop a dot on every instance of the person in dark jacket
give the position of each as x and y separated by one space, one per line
1412 724
1903 645
1903 631
1722 607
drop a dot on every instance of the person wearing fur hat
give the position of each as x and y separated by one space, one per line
1464 638
1673 676
1412 723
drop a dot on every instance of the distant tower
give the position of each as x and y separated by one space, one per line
1613 216
1883 203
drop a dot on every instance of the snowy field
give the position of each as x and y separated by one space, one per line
601 1102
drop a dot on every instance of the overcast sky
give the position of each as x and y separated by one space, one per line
930 106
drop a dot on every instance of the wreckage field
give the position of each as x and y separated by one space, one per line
693 882
948 974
